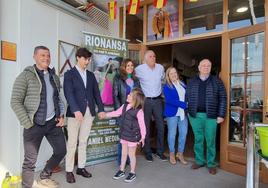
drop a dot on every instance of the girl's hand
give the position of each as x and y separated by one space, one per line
102 115
142 142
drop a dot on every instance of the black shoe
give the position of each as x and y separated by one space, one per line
119 174
161 156
130 177
149 158
70 177
83 172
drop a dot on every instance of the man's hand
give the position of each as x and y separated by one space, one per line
101 115
220 119
60 122
78 116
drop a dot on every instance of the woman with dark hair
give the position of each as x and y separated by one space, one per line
123 84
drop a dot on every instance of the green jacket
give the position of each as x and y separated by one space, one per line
25 98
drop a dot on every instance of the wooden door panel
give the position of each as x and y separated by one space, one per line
233 155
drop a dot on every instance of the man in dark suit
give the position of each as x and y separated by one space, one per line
82 93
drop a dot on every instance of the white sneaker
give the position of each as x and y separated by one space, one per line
48 183
37 184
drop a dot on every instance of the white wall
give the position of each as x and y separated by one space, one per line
10 141
30 23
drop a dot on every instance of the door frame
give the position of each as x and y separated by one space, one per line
233 156
138 47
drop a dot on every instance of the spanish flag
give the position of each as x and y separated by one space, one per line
160 3
112 9
133 7
191 1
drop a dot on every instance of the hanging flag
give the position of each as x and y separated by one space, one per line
160 3
191 1
133 7
112 9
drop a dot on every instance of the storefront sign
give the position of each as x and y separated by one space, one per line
102 142
108 54
106 45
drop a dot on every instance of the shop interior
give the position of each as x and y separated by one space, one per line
185 56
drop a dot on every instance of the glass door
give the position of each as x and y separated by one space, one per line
244 73
247 85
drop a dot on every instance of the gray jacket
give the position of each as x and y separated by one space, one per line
25 98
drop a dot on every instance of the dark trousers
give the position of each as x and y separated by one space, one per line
154 107
32 139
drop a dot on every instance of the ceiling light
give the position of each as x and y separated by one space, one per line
242 9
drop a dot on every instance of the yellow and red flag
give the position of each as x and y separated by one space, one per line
191 1
112 6
133 7
160 3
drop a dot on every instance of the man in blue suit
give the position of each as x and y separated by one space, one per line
82 93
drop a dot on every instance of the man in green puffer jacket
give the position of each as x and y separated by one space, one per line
36 102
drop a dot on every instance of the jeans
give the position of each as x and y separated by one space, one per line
173 123
32 139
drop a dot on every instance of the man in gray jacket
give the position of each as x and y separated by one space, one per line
36 102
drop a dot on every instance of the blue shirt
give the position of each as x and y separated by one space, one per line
150 79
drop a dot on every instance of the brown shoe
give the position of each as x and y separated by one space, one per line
181 158
70 177
212 170
196 166
172 158
56 169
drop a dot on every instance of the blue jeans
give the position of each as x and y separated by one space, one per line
173 123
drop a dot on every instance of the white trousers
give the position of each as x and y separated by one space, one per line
77 131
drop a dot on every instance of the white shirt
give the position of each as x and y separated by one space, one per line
150 79
181 92
83 74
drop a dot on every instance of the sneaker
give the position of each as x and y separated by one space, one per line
49 183
130 177
161 156
149 158
45 174
35 185
119 174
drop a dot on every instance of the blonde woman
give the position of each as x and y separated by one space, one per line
174 92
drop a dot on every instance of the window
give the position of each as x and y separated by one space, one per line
246 103
202 16
242 14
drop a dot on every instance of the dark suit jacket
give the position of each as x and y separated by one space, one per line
78 97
